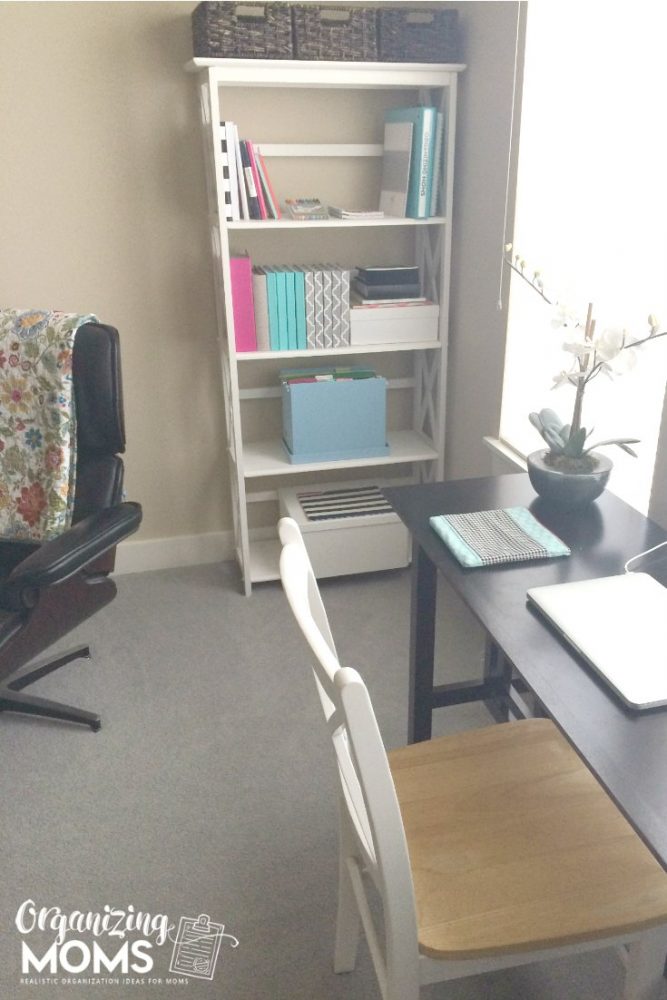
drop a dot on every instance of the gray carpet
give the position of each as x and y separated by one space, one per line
210 790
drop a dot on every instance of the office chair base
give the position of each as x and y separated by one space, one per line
45 667
12 701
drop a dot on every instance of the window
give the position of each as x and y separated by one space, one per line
591 215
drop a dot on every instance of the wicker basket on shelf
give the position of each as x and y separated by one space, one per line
242 30
335 33
418 35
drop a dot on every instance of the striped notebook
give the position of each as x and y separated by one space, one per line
491 537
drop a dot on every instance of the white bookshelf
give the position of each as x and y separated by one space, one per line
258 463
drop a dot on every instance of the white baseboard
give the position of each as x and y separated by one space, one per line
141 555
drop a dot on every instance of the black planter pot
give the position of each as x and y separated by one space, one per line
568 489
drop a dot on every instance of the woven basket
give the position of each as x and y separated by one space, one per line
242 30
335 33
419 35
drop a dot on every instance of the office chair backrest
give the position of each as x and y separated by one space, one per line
367 787
98 393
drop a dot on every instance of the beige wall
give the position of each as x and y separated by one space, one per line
102 208
477 327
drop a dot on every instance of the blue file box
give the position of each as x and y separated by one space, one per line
335 421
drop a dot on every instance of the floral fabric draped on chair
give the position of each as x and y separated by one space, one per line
37 422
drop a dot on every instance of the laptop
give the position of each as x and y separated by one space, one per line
619 625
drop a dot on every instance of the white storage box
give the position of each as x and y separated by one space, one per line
394 324
340 541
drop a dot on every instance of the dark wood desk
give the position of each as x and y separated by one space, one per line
625 749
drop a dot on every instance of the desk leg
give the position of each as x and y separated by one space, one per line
422 645
646 967
497 667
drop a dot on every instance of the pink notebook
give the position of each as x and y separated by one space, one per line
242 304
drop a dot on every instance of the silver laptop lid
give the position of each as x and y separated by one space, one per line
619 625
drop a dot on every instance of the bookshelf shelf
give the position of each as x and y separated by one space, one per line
264 560
339 352
323 122
246 224
267 458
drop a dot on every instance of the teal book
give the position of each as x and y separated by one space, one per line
424 129
282 310
300 310
272 296
290 301
437 171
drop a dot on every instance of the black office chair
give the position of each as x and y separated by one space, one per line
48 589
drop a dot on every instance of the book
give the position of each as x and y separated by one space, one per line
260 297
318 304
305 209
492 537
249 177
424 122
388 275
327 307
300 308
436 163
245 338
348 213
244 211
269 194
396 167
290 301
345 307
230 182
360 303
255 174
272 296
309 305
336 305
386 291
281 295
420 300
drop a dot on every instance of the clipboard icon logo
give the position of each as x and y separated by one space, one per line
197 945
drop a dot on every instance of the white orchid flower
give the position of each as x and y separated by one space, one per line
580 348
567 378
606 369
609 344
564 316
626 361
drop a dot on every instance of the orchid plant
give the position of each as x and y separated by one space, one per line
608 352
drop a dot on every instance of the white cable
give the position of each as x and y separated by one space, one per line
640 555
509 155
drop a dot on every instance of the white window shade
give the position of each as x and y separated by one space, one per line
591 216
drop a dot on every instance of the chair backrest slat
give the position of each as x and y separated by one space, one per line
365 777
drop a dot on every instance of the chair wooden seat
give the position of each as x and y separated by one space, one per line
488 849
514 846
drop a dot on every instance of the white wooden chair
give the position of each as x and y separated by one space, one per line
488 848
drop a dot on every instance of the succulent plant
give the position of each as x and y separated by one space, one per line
562 441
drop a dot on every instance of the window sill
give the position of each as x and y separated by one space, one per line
508 458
